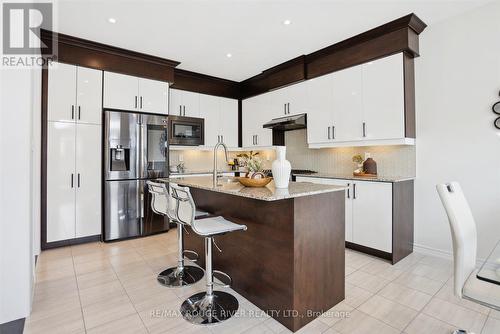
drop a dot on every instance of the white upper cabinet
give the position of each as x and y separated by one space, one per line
289 100
153 96
383 98
229 121
360 105
256 112
120 91
62 92
89 95
74 94
320 109
347 104
220 115
210 111
127 92
184 103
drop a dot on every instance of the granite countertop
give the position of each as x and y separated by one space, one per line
378 178
202 171
267 193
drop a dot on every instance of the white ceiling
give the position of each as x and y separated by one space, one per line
199 34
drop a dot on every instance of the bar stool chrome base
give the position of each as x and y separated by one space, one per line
175 277
202 309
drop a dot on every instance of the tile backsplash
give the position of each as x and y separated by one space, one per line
391 160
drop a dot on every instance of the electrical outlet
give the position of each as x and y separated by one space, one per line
181 158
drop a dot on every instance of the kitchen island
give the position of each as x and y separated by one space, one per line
290 261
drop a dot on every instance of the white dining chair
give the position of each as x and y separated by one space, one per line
464 238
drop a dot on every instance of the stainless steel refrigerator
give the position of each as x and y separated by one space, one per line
135 150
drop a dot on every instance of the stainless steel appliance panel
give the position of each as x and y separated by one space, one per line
123 209
187 131
121 145
154 153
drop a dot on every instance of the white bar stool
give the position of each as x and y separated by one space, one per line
162 203
211 306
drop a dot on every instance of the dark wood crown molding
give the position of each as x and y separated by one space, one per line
205 84
79 51
400 35
281 75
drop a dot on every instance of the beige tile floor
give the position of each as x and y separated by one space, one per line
112 288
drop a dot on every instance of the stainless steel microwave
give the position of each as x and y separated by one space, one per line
187 131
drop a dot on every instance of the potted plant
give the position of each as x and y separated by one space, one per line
255 176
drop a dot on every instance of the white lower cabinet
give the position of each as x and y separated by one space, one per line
60 181
88 180
372 214
368 218
73 180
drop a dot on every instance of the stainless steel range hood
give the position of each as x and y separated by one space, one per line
294 122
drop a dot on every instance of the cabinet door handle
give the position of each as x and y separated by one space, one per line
329 133
72 112
284 108
364 129
78 180
354 190
79 112
184 111
141 101
71 180
348 190
288 106
135 104
256 139
333 131
221 138
180 110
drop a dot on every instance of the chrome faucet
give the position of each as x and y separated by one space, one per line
215 160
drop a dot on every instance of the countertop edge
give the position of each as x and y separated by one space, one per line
347 177
261 198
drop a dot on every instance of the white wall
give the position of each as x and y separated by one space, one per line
457 82
16 232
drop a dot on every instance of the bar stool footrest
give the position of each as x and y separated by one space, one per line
187 251
222 285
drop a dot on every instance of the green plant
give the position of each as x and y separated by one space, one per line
254 164
357 159
252 161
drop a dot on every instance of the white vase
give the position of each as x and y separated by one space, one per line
281 168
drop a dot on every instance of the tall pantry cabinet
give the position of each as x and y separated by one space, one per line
74 112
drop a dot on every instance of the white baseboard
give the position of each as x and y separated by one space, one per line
425 250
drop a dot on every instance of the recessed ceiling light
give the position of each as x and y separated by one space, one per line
229 55
112 20
287 22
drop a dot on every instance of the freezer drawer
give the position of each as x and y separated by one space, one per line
127 211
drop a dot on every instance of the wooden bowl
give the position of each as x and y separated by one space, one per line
248 182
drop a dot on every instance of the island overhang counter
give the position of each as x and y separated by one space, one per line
291 260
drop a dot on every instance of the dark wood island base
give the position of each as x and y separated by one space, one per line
291 260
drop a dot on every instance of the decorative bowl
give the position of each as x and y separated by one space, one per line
248 182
